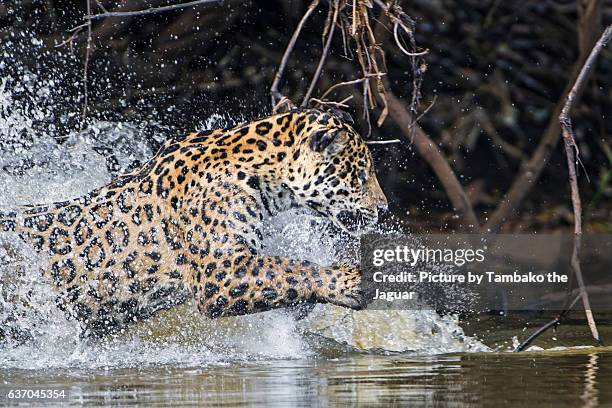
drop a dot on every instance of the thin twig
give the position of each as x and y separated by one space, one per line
151 10
78 28
570 148
330 35
86 70
75 33
352 82
345 100
354 25
553 323
382 142
427 109
346 50
337 104
284 101
70 40
571 151
366 109
89 17
99 3
399 19
274 92
399 43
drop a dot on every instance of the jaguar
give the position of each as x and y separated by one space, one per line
187 224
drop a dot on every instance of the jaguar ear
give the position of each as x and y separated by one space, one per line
321 139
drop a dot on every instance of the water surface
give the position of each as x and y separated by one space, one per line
550 379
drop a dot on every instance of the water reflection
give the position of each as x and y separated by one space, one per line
530 379
590 396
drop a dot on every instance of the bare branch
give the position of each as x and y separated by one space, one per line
581 79
284 101
352 82
86 69
274 92
366 106
337 104
70 40
427 109
79 27
151 10
345 100
399 19
330 35
99 3
399 43
570 150
383 142
553 323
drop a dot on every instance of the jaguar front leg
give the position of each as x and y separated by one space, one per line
251 284
231 278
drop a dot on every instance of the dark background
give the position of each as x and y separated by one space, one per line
496 70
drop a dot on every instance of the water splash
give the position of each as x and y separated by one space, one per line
424 332
39 164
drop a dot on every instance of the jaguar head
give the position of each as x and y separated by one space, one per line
334 173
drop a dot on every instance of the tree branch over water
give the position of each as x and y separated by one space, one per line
570 149
572 153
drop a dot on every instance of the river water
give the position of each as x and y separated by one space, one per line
333 357
552 379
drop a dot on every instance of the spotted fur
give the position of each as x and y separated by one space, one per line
187 224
